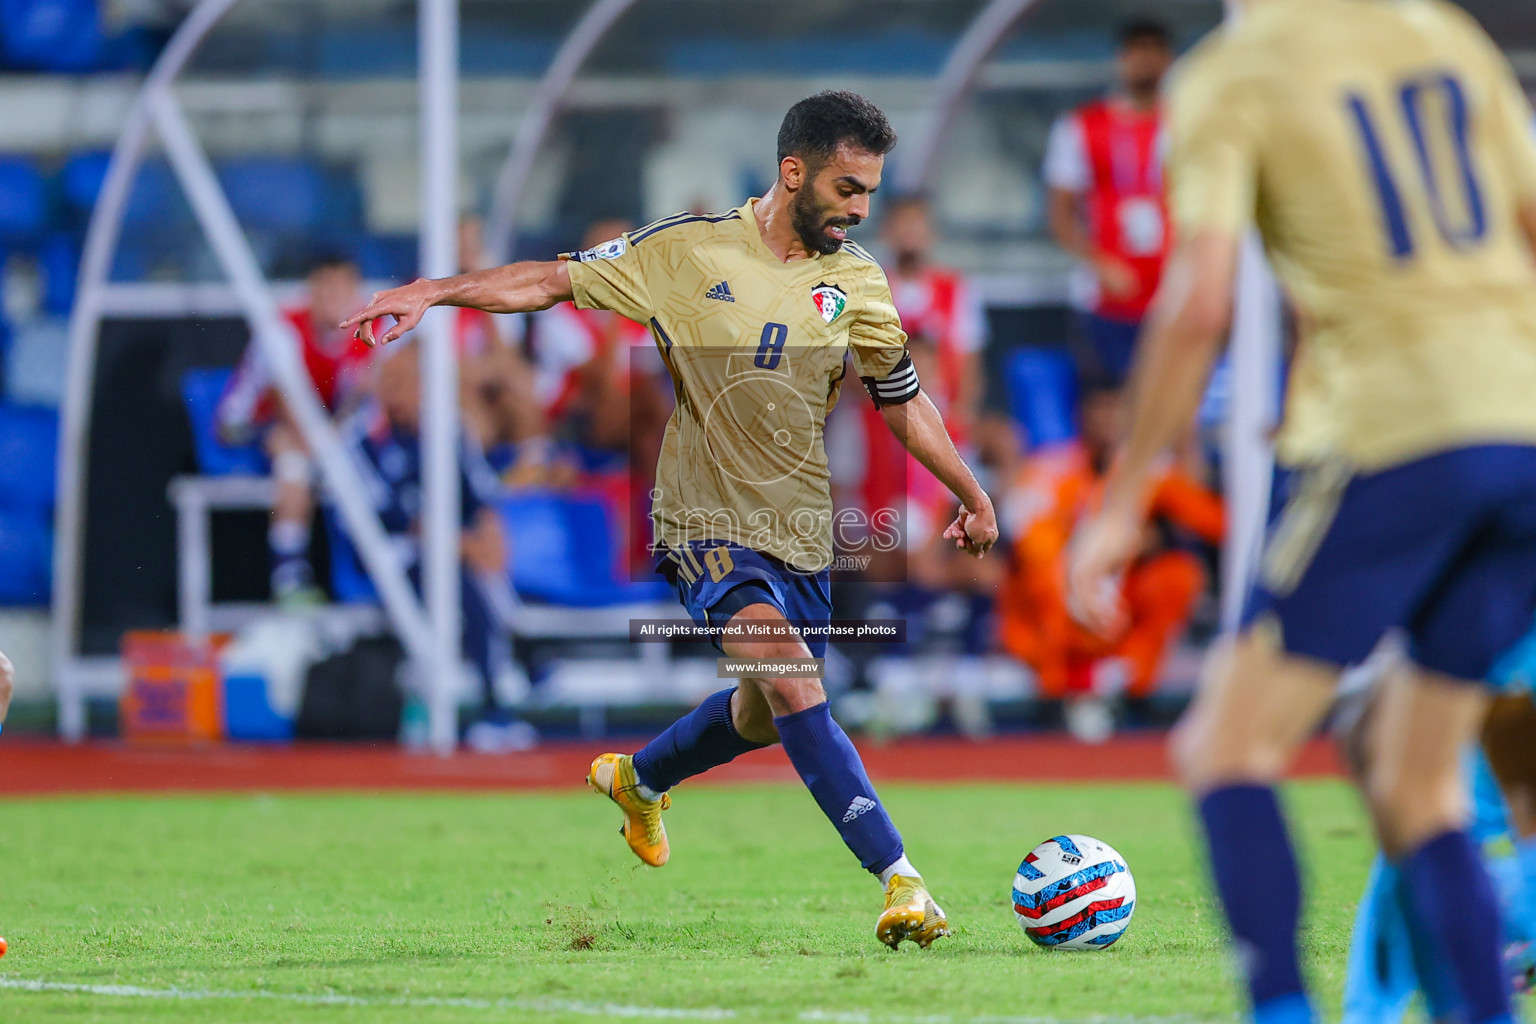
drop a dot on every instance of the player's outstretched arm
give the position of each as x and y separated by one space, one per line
919 426
1174 358
515 288
7 685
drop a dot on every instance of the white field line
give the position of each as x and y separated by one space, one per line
546 1006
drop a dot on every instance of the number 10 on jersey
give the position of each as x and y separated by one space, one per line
1447 133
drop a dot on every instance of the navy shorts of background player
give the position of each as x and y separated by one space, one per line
1442 548
714 580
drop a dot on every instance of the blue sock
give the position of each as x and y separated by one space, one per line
1436 981
831 769
1453 906
1523 915
700 740
1255 873
1379 978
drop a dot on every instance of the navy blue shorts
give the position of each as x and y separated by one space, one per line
715 580
1112 344
1443 548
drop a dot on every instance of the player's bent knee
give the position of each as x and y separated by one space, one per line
1201 767
1204 758
1410 808
751 715
787 696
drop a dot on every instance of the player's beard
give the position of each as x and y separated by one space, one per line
810 221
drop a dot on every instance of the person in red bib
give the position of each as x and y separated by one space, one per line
252 406
947 329
498 392
581 369
1104 170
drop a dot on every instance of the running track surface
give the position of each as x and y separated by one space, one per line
41 768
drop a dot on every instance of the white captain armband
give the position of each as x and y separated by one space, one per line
895 388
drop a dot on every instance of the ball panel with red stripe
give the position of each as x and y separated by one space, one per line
1073 892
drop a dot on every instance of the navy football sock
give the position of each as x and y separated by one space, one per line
1437 983
831 769
1255 873
700 740
1452 902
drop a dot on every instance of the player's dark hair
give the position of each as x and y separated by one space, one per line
1094 382
817 125
907 200
1137 31
330 259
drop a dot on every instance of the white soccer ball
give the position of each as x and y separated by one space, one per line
1073 892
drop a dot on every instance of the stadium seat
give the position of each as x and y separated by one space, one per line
201 390
563 551
29 442
1042 395
154 197
277 194
26 559
52 35
350 582
59 257
23 201
387 257
80 180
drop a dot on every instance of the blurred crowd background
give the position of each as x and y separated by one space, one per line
1021 271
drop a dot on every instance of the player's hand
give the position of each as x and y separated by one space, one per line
974 532
1116 277
406 304
1101 549
7 684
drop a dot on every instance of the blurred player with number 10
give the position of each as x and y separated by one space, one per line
1383 151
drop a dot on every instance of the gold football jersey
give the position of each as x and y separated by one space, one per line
756 348
1382 147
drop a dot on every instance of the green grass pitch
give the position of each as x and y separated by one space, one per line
427 908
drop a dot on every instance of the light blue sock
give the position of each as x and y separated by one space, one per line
1379 979
1522 916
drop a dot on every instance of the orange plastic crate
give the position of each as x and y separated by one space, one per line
174 692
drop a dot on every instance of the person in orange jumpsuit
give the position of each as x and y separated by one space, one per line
1053 491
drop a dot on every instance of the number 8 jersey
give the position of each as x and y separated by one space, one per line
1382 149
756 348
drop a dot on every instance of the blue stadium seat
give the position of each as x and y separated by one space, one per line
1042 394
387 257
59 257
350 582
23 201
155 199
53 35
80 180
564 552
283 195
201 390
26 560
29 442
29 438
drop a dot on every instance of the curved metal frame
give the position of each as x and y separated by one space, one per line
501 225
156 106
981 39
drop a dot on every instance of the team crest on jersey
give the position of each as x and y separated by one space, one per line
830 301
607 251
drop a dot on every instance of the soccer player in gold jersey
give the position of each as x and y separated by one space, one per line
1383 151
755 312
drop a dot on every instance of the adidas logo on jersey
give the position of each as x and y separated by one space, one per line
860 805
721 291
